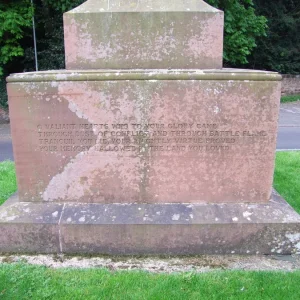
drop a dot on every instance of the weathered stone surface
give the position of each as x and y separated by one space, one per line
144 159
174 229
102 34
114 140
29 227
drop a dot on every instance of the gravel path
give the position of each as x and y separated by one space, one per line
198 264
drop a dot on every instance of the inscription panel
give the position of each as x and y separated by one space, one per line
172 137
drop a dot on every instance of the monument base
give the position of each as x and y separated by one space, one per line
134 229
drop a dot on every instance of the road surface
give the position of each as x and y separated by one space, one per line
289 127
6 150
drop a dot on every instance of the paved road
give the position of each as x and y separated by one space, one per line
289 127
6 150
288 138
288 134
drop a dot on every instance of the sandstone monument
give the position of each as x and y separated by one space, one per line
144 144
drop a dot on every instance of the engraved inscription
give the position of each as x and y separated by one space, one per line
142 138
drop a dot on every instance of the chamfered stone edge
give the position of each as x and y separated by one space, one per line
139 74
175 229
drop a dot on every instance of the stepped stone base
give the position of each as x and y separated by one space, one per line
128 229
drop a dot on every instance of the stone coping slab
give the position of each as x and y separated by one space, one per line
98 6
175 229
139 74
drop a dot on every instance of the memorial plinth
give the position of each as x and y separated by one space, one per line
145 136
145 145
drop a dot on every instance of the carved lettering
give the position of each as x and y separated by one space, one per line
143 138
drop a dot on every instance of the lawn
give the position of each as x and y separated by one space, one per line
8 184
20 281
291 98
287 177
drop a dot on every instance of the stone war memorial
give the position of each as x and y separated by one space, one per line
145 144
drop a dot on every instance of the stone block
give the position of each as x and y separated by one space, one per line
135 229
29 227
147 34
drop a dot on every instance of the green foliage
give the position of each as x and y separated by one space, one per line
50 37
3 92
15 16
62 5
50 46
280 50
242 28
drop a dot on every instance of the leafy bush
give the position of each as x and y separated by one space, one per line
242 28
3 93
280 50
15 16
50 36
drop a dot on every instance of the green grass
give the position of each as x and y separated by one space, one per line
287 177
8 184
292 98
21 281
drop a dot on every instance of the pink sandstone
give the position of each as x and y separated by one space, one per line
145 145
153 141
149 34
